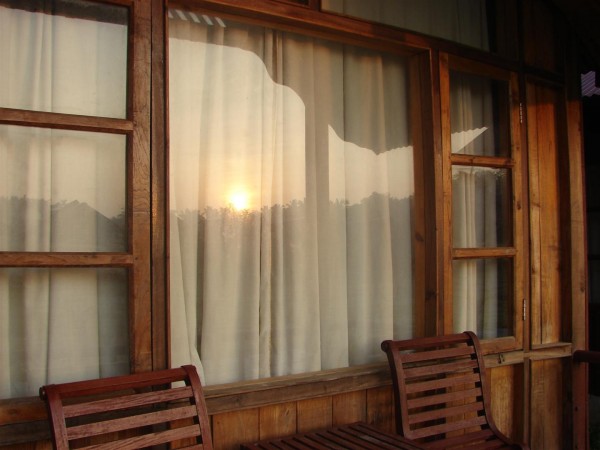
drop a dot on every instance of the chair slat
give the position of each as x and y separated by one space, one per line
351 440
464 439
147 440
122 382
437 354
462 365
315 441
130 422
127 401
442 413
379 437
448 427
300 443
420 402
442 383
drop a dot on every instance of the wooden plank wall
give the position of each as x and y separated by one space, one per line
373 405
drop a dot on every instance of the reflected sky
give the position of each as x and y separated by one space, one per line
255 151
243 143
355 173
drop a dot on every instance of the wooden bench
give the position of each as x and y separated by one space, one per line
130 411
441 393
355 436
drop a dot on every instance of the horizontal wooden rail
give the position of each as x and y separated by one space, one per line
586 356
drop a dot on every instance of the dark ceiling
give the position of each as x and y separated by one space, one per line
584 17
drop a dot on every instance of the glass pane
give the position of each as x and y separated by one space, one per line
463 21
62 191
479 115
483 296
291 195
481 207
61 325
65 56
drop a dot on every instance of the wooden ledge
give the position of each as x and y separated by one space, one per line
252 394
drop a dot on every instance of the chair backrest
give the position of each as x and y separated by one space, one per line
130 411
441 392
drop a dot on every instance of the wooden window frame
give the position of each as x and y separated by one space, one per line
513 163
135 127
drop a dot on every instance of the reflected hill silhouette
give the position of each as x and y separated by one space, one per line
71 226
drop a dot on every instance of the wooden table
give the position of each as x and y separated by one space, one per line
354 436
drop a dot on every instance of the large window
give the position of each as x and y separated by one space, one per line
69 269
291 200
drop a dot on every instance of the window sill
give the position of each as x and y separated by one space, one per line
253 394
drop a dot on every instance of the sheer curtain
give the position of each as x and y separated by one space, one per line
479 201
61 191
291 190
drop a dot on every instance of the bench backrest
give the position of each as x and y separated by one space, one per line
130 411
441 392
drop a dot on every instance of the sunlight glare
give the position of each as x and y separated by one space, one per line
239 200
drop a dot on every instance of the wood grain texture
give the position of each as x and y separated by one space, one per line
507 391
547 403
277 420
232 429
545 201
314 414
349 407
138 189
380 408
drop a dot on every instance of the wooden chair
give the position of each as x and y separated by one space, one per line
441 393
130 412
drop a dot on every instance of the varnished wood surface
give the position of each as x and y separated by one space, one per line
547 258
355 436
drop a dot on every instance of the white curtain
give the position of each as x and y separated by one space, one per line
291 190
61 191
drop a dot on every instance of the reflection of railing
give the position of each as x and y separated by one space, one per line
586 356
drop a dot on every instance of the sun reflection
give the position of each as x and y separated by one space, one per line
239 200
